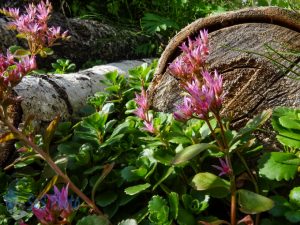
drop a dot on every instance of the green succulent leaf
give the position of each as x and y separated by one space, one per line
286 122
133 190
185 217
211 184
206 181
273 166
252 203
191 151
158 210
174 204
295 196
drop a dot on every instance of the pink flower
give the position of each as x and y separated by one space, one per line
11 71
57 209
184 111
142 100
224 168
149 126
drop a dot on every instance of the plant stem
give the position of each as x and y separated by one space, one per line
219 121
50 162
214 135
257 217
232 191
106 170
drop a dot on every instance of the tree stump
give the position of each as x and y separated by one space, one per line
252 82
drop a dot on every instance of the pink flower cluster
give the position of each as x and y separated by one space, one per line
57 209
192 60
143 111
32 25
11 71
204 89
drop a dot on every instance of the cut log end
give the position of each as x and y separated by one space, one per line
252 82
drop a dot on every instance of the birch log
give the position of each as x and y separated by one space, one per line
46 96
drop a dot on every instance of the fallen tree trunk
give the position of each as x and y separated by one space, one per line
252 82
90 41
46 96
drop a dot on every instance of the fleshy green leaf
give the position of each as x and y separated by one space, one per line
252 203
272 165
19 53
288 122
14 48
174 204
185 217
295 196
191 152
206 181
93 220
133 190
158 210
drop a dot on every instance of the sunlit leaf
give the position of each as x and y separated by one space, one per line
174 204
191 151
272 165
133 190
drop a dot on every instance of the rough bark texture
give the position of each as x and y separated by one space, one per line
90 40
252 82
46 96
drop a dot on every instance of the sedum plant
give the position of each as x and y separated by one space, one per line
145 167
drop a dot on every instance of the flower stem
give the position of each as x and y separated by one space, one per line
232 191
257 217
214 135
19 135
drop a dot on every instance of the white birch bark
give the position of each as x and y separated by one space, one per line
46 96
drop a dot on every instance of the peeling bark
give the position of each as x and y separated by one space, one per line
46 96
